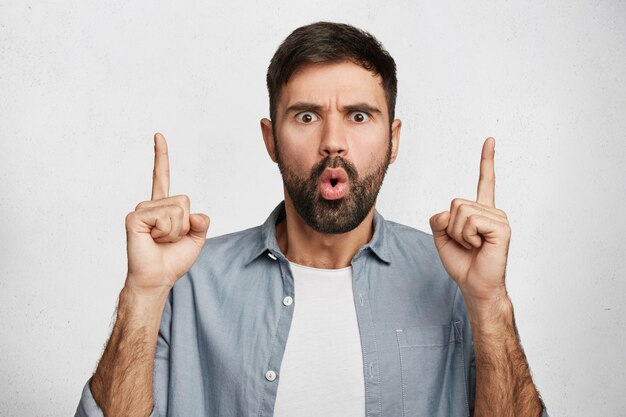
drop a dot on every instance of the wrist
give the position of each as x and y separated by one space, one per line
140 306
148 287
490 315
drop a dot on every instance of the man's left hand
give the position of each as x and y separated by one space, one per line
472 238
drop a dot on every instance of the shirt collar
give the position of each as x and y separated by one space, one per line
268 244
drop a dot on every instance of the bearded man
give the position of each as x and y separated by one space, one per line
327 309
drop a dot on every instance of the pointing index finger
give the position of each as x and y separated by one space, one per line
161 172
487 180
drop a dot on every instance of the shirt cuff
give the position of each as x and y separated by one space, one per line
87 407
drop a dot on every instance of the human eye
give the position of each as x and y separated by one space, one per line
359 116
306 117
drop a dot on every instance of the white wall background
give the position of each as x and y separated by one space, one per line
85 84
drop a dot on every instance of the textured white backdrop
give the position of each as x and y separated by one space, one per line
85 84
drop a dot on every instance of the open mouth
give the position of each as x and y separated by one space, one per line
334 183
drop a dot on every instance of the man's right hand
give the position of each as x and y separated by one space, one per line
163 238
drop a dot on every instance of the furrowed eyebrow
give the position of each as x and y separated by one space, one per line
364 107
303 106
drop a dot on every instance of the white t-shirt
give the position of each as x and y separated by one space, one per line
322 369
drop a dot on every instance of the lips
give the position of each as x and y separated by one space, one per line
333 183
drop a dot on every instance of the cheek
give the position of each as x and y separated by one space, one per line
296 159
298 146
368 146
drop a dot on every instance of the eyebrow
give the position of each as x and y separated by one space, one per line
304 106
364 107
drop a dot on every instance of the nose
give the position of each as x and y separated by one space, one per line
334 141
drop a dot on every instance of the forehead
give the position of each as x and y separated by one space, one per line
340 83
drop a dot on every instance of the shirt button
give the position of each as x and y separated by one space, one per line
287 301
270 375
271 255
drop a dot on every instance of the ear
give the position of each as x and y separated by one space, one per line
395 139
268 137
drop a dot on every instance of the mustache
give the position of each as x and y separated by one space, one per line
335 162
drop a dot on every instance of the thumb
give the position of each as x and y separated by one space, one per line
439 224
199 225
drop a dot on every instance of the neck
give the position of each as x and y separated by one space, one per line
305 246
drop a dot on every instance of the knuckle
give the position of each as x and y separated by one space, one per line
462 209
162 219
457 233
169 210
184 200
473 220
486 177
161 214
161 172
458 202
178 210
130 217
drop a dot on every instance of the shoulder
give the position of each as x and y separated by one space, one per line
401 238
413 252
243 240
232 251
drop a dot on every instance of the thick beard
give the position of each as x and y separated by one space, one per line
333 216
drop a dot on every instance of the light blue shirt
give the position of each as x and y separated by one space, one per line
226 323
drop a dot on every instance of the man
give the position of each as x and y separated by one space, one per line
327 308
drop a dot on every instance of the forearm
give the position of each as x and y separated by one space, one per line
123 382
504 386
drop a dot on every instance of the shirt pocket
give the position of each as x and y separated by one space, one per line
433 371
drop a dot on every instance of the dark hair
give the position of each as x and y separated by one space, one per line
330 42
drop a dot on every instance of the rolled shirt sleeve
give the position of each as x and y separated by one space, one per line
87 407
